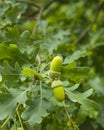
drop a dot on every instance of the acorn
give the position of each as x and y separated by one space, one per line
55 67
58 90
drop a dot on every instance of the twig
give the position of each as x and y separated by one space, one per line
71 121
44 8
82 35
41 93
39 59
38 20
19 116
48 4
5 123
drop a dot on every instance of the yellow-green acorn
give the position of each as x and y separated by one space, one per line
55 67
56 64
58 90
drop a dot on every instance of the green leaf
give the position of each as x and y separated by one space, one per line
8 52
75 56
97 84
101 111
76 96
9 74
27 46
8 102
13 33
43 27
4 52
96 37
36 110
76 74
25 36
3 8
17 68
11 16
89 106
74 87
69 66
56 103
87 93
30 72
56 39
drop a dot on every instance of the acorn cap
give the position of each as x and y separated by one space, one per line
56 83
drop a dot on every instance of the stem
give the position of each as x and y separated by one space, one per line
5 122
38 20
48 4
41 90
71 120
83 34
39 59
20 120
42 9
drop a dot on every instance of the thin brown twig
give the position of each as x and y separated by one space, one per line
44 8
38 20
73 124
82 35
48 4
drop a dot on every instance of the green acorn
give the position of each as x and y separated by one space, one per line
56 64
58 90
55 67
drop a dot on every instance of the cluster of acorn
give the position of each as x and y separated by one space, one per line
55 72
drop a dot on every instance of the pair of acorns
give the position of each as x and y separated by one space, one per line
55 72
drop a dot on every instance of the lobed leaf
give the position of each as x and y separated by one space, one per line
8 102
75 74
35 111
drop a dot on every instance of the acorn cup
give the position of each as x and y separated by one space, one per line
58 90
55 67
